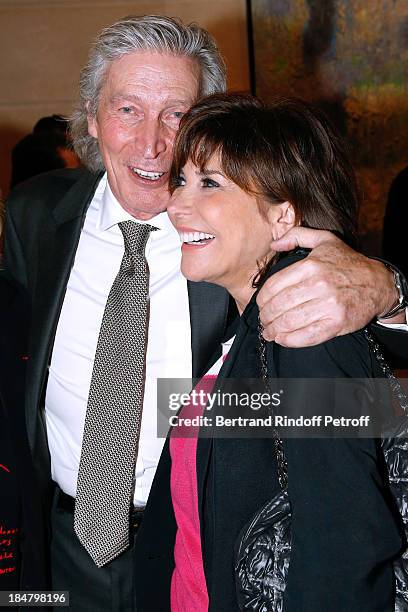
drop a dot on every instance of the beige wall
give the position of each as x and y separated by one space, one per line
43 45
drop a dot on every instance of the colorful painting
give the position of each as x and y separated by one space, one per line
351 58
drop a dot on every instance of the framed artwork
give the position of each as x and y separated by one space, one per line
351 58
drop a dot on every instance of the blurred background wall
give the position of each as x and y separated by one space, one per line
351 57
44 44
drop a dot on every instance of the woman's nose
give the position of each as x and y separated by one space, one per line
180 203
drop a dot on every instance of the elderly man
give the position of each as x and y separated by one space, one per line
112 313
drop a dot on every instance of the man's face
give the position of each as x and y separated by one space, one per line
141 103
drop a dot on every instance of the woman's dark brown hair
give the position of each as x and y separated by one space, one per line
286 151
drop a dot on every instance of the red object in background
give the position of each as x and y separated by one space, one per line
9 557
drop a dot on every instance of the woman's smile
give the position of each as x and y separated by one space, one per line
194 238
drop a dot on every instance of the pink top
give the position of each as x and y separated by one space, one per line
188 586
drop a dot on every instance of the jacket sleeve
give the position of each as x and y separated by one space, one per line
396 343
14 259
29 211
344 533
394 340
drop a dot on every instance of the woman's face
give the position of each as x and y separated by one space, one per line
223 234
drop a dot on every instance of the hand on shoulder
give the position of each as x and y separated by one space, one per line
332 292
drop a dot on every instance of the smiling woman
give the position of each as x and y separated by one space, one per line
243 174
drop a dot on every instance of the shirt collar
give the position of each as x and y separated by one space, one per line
111 212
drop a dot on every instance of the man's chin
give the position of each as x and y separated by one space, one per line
145 208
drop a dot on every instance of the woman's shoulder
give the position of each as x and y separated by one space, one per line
347 356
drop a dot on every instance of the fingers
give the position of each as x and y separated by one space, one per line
313 334
303 237
291 320
292 283
314 319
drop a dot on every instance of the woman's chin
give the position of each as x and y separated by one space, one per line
193 273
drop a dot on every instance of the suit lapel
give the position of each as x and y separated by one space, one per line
59 241
205 445
208 318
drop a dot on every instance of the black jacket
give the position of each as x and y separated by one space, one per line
20 503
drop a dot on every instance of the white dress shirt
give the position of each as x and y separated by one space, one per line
96 265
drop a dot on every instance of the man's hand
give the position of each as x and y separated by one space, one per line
334 291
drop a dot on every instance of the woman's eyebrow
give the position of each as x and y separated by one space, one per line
209 172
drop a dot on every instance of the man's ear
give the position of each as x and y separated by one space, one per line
92 122
283 218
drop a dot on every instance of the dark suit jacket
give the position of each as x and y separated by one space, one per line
20 503
44 221
344 528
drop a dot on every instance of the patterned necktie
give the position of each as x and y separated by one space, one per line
114 411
